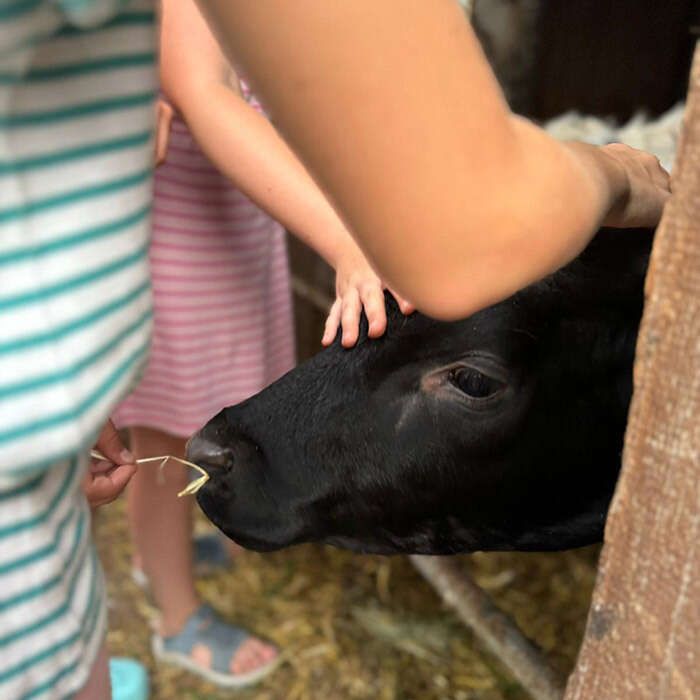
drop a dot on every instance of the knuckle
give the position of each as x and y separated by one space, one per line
369 285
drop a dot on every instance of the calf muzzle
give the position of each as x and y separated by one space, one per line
208 454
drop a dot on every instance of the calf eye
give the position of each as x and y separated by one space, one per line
475 384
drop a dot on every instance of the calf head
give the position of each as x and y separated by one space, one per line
501 431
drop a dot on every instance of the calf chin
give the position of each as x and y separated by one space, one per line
502 431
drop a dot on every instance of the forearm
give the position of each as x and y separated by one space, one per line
246 148
395 112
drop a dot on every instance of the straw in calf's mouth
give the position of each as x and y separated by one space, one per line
189 490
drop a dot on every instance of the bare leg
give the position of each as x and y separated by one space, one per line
233 549
98 686
161 528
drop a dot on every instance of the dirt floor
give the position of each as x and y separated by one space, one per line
359 627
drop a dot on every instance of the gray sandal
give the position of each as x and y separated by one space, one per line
205 627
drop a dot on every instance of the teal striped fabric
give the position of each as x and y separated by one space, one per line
77 87
76 115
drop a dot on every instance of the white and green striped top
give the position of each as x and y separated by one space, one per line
76 111
77 87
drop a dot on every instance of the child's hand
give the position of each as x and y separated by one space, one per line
358 286
164 116
106 479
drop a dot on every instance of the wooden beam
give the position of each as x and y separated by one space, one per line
642 640
317 298
494 629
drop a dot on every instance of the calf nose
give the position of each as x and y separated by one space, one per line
202 451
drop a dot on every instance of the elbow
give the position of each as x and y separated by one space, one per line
187 96
450 287
451 295
180 99
452 284
446 303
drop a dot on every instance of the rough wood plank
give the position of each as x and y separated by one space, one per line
642 640
496 630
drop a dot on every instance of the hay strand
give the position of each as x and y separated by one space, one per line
189 490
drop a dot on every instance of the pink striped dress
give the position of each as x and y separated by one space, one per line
222 305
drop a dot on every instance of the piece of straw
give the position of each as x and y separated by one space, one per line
189 490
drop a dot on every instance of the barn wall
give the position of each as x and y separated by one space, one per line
312 284
596 56
611 57
509 33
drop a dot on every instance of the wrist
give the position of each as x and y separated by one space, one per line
337 247
609 174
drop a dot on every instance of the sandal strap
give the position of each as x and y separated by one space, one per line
205 627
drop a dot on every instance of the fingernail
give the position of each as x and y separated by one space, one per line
127 457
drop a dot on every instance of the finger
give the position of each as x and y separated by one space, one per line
407 307
101 466
375 309
658 174
120 477
97 490
665 196
664 178
165 116
350 318
105 488
404 304
332 322
110 445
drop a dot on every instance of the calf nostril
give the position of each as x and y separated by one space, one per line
204 452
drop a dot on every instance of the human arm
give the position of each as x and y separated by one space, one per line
395 112
246 148
164 117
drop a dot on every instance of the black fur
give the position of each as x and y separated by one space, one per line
371 450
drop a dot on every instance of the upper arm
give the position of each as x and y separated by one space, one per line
394 111
391 106
190 57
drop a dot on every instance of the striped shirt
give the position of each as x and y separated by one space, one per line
77 85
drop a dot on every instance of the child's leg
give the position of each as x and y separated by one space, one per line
233 549
161 526
98 686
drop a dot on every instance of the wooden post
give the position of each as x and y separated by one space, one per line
642 640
